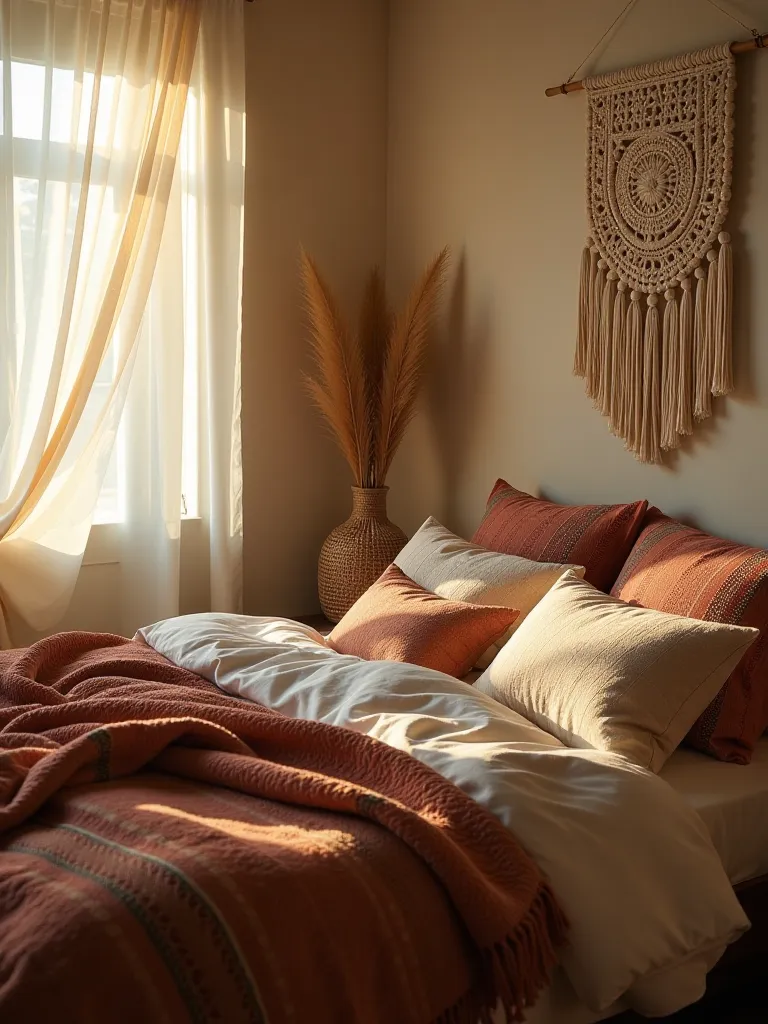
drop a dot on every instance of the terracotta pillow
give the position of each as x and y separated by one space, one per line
599 537
447 565
397 620
674 568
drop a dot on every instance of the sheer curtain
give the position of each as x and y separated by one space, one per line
182 418
121 206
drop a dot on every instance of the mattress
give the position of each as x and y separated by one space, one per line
732 799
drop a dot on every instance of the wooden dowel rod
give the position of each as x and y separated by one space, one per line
561 90
761 42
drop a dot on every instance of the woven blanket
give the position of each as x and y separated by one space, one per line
170 853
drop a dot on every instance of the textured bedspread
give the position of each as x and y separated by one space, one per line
170 853
650 907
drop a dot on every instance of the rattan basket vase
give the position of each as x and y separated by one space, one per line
356 553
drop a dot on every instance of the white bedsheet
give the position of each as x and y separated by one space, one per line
634 868
732 800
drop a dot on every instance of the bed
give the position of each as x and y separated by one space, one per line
732 800
529 780
537 787
238 818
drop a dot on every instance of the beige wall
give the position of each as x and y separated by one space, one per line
479 158
316 107
462 147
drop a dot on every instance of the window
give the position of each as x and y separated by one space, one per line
40 141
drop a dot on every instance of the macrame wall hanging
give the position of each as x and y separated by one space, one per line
655 298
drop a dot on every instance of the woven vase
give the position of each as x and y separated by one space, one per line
356 553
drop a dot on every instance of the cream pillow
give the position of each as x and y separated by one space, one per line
597 672
440 561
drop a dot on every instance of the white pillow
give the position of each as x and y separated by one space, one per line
596 672
445 564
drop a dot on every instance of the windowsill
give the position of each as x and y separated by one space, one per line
103 547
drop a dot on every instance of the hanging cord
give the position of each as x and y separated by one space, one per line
616 20
758 36
760 42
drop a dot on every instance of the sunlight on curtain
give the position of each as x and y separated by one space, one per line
85 186
182 426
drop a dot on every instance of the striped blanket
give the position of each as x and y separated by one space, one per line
170 853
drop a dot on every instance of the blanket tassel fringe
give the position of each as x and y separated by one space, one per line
513 971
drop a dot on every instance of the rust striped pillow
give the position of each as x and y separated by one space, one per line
599 537
675 568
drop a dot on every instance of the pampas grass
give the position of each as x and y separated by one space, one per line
366 384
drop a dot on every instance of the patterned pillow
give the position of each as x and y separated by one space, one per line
397 620
599 537
674 568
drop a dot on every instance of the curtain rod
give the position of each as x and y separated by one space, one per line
758 43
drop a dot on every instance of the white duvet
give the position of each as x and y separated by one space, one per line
650 906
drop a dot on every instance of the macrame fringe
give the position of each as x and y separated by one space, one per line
684 425
618 382
670 373
595 352
585 283
606 344
650 430
711 324
592 356
722 373
703 400
653 372
633 395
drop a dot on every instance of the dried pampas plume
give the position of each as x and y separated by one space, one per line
366 384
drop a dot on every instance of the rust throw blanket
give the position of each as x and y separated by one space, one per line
170 853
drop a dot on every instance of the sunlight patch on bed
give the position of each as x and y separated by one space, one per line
306 839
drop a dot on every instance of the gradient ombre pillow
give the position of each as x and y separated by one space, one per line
397 620
675 568
599 537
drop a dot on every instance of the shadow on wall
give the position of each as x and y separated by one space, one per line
454 389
